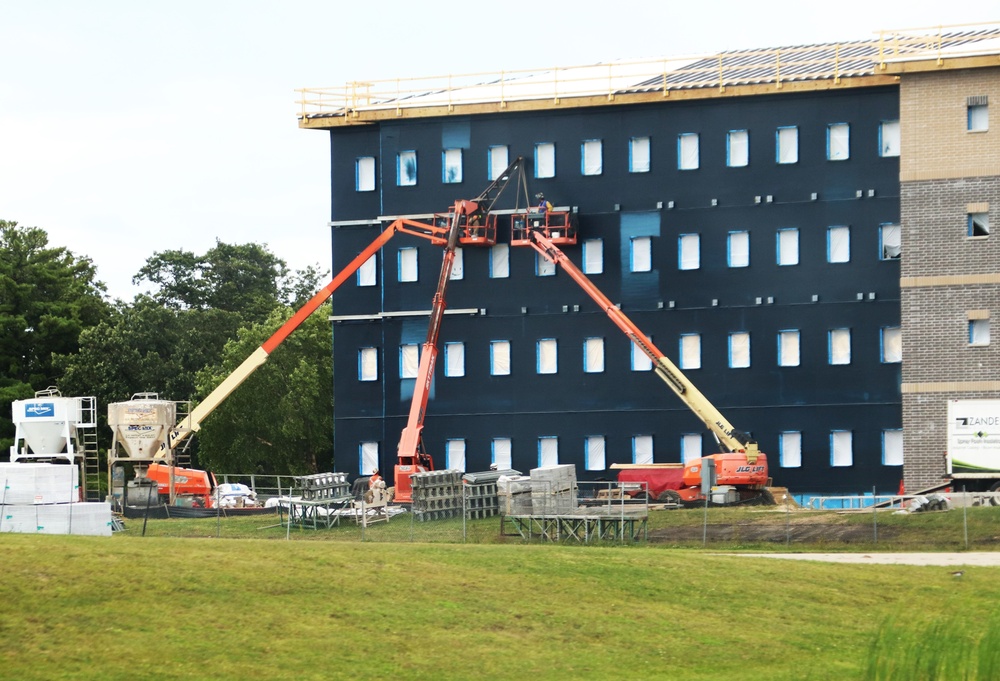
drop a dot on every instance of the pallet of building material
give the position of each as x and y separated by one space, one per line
481 501
514 495
323 486
436 495
80 518
553 503
39 483
555 478
480 477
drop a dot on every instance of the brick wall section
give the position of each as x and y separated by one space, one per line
935 142
943 169
935 227
925 435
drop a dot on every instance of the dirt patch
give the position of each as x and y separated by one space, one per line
795 533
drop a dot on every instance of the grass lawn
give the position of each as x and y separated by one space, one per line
252 606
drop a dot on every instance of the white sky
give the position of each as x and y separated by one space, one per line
129 127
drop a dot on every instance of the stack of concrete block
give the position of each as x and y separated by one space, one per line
44 498
481 499
436 495
553 490
514 494
324 486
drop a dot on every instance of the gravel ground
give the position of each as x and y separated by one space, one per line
978 558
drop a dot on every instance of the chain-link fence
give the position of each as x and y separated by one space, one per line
447 508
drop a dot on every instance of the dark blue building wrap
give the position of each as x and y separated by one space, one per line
814 296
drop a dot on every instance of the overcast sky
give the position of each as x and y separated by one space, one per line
131 127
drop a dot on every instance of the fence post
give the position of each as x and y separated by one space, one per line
965 516
874 515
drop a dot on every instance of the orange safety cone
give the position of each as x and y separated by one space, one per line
902 488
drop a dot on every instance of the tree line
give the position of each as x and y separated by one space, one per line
202 316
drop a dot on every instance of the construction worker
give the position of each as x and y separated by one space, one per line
374 479
543 205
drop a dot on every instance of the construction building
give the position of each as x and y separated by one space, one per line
750 210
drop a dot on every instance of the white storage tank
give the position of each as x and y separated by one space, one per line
46 426
141 426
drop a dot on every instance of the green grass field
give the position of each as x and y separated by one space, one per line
251 605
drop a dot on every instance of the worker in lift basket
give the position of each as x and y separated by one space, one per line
543 205
374 479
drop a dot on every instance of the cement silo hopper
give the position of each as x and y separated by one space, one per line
140 428
49 426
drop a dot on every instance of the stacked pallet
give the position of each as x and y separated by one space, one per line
436 495
514 494
44 498
553 490
324 486
481 493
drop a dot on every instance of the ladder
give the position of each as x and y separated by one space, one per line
182 455
87 437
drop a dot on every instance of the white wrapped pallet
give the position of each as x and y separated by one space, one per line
85 518
39 483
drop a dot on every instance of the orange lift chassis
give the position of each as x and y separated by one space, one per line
740 464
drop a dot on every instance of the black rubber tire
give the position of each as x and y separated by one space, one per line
669 496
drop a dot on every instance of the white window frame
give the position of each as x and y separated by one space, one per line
738 148
889 140
688 151
367 364
890 241
892 447
409 265
593 355
841 448
891 344
689 252
497 161
500 261
591 157
786 143
838 244
642 449
547 356
454 450
838 142
787 246
638 155
454 359
640 361
595 453
500 358
839 347
689 351
979 332
545 159
738 248
790 449
739 350
543 266
548 451
593 256
691 447
501 449
789 348
640 254
409 360
451 166
368 457
406 169
368 272
364 174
